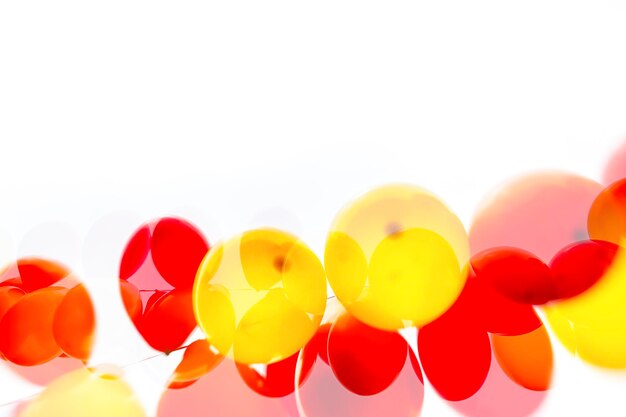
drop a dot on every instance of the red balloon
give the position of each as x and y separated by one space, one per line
578 266
364 359
177 251
277 379
455 354
135 253
480 304
169 321
38 273
516 274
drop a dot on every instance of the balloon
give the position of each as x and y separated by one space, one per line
579 266
364 359
157 273
262 293
74 323
516 274
526 359
322 394
168 321
394 256
37 273
455 353
83 393
540 213
26 336
177 250
276 379
607 216
198 360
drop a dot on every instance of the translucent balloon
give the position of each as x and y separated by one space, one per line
86 392
336 388
540 213
222 392
393 257
261 294
616 166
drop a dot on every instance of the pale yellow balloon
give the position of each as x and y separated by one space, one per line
260 296
84 393
395 257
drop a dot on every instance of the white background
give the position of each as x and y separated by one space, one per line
241 114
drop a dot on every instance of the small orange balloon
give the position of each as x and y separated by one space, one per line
526 359
198 360
26 336
74 323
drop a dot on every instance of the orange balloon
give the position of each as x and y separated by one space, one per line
526 359
132 300
8 297
74 323
26 336
198 360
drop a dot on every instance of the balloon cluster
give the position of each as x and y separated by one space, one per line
403 293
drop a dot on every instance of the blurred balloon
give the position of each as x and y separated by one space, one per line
539 213
616 166
393 257
222 392
261 294
86 392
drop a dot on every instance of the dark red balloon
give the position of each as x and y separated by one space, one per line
365 360
578 266
169 321
516 274
277 379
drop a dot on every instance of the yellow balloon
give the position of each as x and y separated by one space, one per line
259 297
593 324
83 393
395 257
